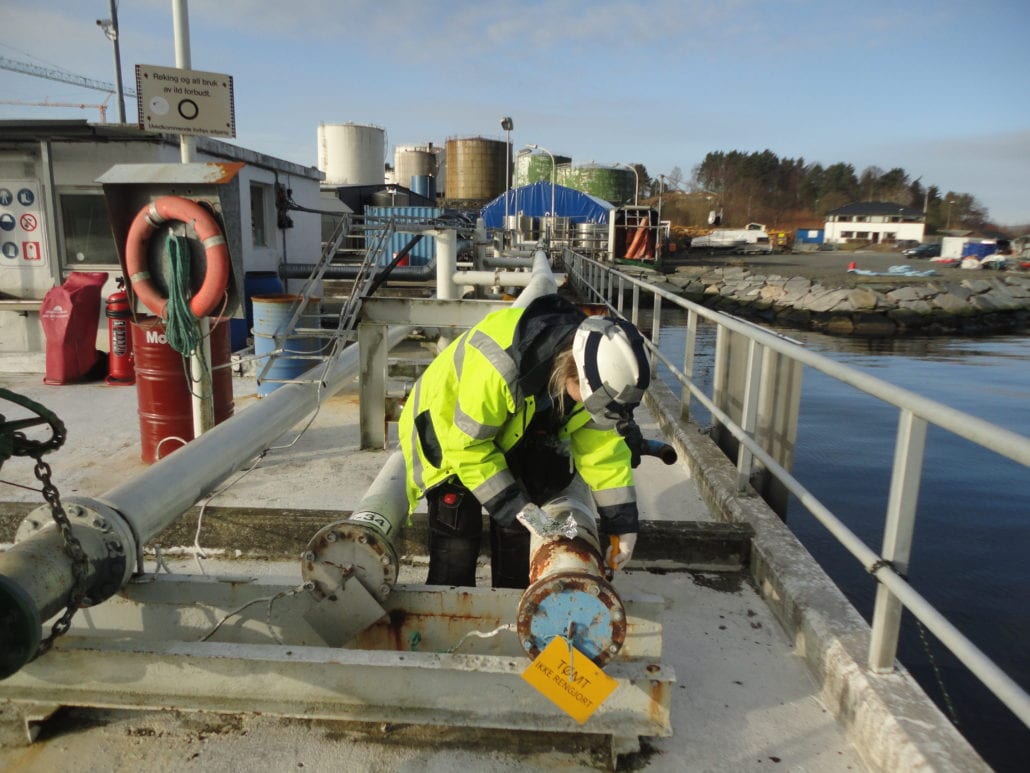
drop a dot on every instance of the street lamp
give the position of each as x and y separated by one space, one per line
636 189
110 28
537 147
507 124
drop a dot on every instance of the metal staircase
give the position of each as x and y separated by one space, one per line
332 340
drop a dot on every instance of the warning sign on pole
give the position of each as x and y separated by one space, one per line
185 101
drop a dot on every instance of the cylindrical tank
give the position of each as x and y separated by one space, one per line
351 154
532 167
270 313
591 237
611 183
254 283
162 393
476 168
424 185
413 160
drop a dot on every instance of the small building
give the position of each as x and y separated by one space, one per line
875 222
54 217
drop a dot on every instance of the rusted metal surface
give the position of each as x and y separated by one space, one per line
576 553
585 610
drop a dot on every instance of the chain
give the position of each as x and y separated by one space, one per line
952 712
13 442
72 546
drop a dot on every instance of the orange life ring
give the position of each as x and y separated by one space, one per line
216 273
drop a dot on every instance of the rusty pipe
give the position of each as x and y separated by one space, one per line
568 595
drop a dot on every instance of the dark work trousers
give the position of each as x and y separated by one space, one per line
455 530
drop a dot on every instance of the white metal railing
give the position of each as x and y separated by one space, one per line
598 282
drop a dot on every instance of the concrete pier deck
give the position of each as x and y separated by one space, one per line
743 700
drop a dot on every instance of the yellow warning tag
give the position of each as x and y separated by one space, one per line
569 679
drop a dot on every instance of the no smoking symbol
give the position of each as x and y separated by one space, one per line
28 222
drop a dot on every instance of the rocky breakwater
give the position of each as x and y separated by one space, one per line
863 306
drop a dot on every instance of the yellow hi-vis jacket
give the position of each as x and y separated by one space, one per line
468 410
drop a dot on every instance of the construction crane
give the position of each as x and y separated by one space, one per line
47 103
55 74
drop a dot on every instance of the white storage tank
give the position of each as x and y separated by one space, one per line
413 161
351 153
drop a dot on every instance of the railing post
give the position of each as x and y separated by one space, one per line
372 348
635 318
622 291
689 346
656 327
897 537
749 411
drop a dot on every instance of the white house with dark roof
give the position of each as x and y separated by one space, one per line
877 222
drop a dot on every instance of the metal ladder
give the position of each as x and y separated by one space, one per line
346 321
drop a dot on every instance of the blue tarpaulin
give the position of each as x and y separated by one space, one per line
534 200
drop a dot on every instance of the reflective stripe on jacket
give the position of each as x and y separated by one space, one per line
467 410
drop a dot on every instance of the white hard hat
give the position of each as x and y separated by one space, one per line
613 368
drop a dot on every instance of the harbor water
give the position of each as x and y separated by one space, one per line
973 518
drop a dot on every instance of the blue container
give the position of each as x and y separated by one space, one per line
978 250
272 313
809 235
254 283
424 251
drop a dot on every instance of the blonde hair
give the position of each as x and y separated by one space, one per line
564 368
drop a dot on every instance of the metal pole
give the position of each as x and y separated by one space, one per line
200 360
119 93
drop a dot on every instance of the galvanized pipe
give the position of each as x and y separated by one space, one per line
506 262
492 278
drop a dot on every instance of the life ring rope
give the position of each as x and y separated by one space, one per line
216 273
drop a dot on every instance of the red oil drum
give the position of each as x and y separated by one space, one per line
162 393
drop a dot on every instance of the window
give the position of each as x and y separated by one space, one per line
846 234
260 202
86 230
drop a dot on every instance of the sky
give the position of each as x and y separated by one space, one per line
941 89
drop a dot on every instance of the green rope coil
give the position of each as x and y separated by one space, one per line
181 326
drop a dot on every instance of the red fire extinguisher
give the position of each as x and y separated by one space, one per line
120 368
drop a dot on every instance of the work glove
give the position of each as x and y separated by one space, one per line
630 432
544 526
620 550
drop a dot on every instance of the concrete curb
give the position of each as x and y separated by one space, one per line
889 719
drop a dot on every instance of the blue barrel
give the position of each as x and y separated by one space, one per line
272 312
254 283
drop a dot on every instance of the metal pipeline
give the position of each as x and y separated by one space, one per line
361 546
568 596
400 273
114 527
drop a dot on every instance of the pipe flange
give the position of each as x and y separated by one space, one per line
347 550
105 536
578 607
